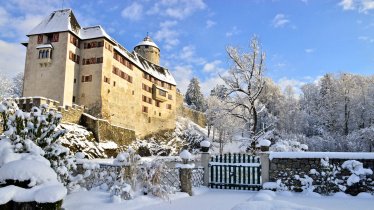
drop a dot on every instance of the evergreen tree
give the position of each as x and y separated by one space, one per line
194 97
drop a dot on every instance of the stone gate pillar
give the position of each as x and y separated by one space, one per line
265 165
205 157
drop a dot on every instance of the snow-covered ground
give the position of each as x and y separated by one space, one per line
214 199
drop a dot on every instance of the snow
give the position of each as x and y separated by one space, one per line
146 42
108 145
264 143
178 165
23 170
331 155
270 185
57 21
217 199
185 154
93 32
357 169
49 193
44 46
205 143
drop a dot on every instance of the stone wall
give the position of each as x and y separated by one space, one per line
103 130
183 111
285 168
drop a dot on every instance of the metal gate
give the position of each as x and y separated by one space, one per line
235 171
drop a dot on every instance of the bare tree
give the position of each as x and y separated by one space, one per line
244 83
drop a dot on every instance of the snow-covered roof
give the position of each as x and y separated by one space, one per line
156 71
93 32
147 41
60 20
44 46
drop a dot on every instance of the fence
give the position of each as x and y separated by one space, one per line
107 174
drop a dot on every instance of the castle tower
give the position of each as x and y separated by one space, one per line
149 50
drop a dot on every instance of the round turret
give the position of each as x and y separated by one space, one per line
149 50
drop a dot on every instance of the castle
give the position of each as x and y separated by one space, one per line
85 66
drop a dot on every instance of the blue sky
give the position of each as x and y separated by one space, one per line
303 39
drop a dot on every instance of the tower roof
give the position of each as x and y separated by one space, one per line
57 21
147 41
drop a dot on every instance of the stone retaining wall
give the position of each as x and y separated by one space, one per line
103 130
183 111
285 168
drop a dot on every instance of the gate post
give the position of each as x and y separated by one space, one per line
205 157
265 165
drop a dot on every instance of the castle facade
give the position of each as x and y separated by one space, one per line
85 66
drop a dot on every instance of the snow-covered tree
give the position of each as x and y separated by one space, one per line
17 85
245 83
5 87
194 96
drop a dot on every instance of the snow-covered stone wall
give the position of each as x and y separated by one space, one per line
288 167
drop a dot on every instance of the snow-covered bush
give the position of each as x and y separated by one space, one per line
357 182
306 183
150 176
326 179
33 166
35 132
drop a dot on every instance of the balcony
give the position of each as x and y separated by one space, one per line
159 93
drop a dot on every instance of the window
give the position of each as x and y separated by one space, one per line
124 61
144 109
108 46
147 88
87 78
114 83
55 37
89 61
74 57
122 74
75 80
73 99
45 54
106 79
162 92
74 40
40 39
168 106
95 44
170 97
159 114
157 103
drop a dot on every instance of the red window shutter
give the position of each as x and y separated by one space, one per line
40 39
55 37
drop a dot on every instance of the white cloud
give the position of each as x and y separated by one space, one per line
362 6
167 34
188 55
309 50
12 58
366 39
296 84
182 75
210 24
213 66
133 12
234 31
209 84
280 21
179 9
